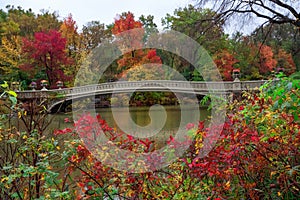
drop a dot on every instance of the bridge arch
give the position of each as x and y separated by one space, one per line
62 105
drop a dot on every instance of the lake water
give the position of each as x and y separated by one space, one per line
166 118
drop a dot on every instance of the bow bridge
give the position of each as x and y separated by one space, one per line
60 98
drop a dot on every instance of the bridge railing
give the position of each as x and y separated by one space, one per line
28 94
205 87
250 85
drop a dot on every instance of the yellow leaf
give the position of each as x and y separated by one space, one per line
227 185
4 179
43 154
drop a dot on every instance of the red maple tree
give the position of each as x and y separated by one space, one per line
46 52
285 62
266 59
225 61
125 22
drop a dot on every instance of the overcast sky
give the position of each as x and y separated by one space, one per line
104 11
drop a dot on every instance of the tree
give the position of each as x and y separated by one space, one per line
225 61
68 30
10 57
16 23
125 22
47 21
285 62
145 71
74 44
241 47
133 57
274 11
267 63
26 23
149 25
256 60
283 36
128 40
93 34
47 52
198 24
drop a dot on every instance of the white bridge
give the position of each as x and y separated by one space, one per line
58 97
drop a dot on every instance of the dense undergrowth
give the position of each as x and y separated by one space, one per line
256 155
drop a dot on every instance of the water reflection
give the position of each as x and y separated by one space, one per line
140 115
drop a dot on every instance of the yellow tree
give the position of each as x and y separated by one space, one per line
68 30
10 54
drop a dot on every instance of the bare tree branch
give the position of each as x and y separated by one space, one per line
275 11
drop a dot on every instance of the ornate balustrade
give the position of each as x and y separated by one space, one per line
148 85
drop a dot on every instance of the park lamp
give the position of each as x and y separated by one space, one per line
15 86
33 85
59 84
236 73
44 84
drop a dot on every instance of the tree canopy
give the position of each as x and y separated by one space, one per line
42 46
46 52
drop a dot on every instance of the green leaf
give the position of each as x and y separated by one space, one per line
13 100
15 195
191 133
12 93
7 167
11 141
264 139
189 160
60 95
296 117
4 85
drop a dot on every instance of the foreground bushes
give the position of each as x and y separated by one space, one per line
256 157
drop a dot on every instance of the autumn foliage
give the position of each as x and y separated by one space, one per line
285 62
267 62
125 22
131 34
225 61
24 57
46 52
256 156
